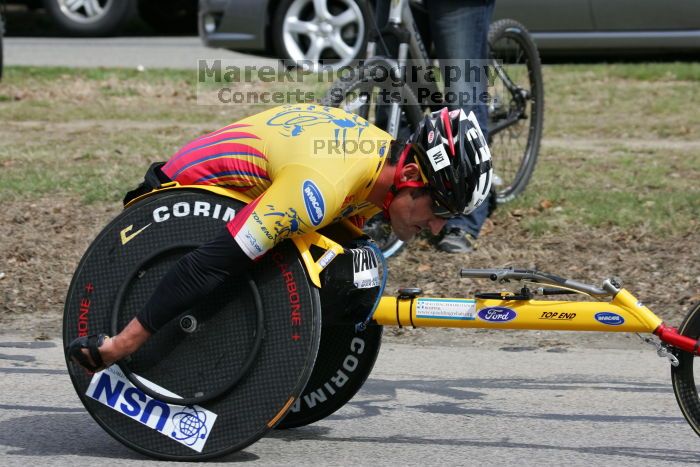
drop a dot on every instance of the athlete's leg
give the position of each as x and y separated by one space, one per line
192 278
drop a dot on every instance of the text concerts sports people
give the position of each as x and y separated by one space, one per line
306 166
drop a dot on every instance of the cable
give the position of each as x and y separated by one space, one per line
379 32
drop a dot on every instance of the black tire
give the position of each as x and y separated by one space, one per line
117 13
345 360
357 91
169 16
515 148
276 32
115 278
683 378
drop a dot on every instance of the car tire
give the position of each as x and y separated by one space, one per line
169 16
86 21
296 46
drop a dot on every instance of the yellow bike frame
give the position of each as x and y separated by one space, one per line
621 313
417 311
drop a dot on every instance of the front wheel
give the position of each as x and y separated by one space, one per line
516 107
683 376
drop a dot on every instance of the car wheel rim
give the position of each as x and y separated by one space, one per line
85 11
329 30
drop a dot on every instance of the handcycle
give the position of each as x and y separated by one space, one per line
515 108
265 351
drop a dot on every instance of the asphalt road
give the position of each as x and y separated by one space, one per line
421 405
129 52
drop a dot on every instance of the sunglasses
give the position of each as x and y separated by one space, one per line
439 210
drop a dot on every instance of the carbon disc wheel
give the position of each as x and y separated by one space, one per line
345 360
200 356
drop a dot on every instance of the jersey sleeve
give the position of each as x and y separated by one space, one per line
299 200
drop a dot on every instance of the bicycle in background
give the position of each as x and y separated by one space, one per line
516 97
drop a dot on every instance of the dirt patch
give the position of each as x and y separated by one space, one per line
44 240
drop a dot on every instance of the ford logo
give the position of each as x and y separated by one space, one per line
612 319
497 314
313 200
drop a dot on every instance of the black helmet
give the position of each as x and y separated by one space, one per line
455 161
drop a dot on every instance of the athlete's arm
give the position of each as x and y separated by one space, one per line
192 278
297 202
300 200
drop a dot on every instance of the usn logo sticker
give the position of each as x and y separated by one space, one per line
497 314
189 426
609 318
313 200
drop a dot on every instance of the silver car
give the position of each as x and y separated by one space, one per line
335 30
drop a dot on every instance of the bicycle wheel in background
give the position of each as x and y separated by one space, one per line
360 96
683 376
516 107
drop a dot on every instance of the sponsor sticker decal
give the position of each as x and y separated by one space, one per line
365 268
438 157
190 426
326 259
313 200
126 235
557 316
497 314
248 243
609 318
198 208
441 308
431 136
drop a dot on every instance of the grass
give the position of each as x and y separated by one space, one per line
619 146
656 189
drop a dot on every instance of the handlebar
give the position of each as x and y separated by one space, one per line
610 286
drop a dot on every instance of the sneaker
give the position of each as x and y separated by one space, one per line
457 241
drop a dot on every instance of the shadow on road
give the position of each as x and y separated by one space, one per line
320 434
63 434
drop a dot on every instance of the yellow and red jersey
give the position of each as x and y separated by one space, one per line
305 165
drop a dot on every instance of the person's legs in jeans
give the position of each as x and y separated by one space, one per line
460 31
